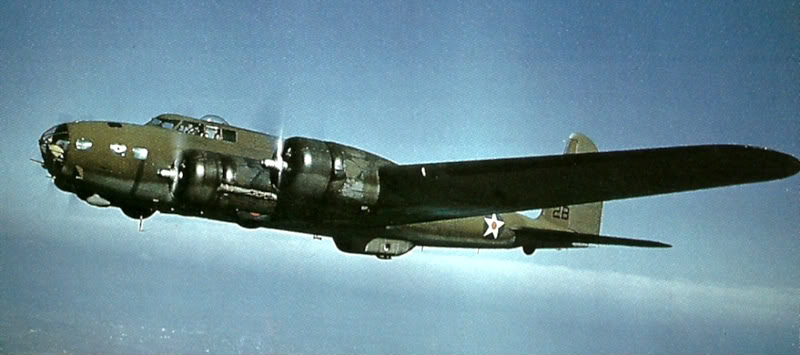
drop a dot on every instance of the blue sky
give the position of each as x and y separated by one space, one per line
414 82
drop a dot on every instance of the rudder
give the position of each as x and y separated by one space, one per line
583 218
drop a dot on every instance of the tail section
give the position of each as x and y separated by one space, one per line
579 143
584 218
574 226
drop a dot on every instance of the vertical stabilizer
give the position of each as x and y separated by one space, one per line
583 218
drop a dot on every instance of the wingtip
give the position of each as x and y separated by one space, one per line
783 164
793 165
761 163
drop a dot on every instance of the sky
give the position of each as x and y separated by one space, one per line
414 82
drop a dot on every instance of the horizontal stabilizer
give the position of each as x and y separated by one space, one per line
546 238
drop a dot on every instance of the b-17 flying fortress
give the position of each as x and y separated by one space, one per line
368 204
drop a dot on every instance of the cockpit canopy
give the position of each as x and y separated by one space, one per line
169 121
208 126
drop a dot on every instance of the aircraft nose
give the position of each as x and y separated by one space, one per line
53 145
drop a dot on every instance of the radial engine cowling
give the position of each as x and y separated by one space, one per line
226 182
308 169
339 174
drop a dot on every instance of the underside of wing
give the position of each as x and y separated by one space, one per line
426 192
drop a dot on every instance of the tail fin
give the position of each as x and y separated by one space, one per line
584 218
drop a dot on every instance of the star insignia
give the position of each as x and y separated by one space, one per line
493 226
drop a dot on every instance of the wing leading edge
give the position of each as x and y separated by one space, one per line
427 192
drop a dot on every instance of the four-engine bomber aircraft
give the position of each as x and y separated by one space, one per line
369 205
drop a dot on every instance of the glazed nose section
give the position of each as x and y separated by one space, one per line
53 145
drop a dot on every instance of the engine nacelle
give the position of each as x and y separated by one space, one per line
381 247
308 169
226 182
338 174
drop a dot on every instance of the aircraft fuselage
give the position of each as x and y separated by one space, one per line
368 204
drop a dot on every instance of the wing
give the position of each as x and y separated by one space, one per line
426 192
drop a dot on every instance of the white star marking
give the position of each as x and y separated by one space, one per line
493 226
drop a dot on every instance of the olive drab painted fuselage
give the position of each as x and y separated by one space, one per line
370 205
178 164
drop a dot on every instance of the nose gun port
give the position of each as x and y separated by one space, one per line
53 145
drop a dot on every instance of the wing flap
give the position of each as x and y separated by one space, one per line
426 192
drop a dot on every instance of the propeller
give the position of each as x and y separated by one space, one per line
279 144
271 119
277 163
278 115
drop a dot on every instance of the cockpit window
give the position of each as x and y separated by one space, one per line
189 127
212 132
213 127
229 135
153 122
163 123
207 130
